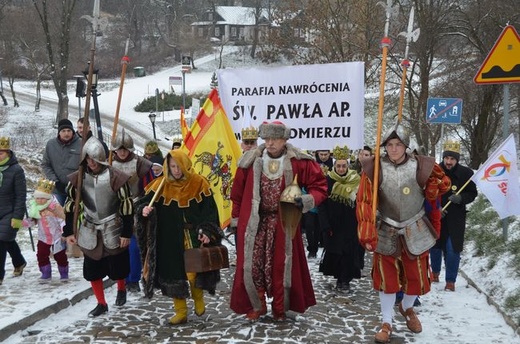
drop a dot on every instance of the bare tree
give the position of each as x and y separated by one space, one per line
57 39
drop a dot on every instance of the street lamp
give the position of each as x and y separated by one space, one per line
152 116
94 99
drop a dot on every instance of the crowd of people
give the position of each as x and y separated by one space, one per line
133 217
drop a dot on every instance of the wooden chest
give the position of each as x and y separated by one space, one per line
204 259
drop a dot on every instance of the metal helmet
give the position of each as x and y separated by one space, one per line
95 150
397 131
123 140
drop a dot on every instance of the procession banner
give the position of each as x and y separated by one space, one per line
323 104
497 178
214 151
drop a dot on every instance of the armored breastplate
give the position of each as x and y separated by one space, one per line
100 202
129 168
401 197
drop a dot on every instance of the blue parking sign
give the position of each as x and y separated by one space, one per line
444 110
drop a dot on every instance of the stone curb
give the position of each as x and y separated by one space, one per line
41 314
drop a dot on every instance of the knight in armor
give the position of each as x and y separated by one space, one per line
403 233
271 258
137 167
106 224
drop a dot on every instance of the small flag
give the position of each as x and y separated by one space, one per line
497 178
214 151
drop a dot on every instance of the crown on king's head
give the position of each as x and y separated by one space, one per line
249 133
5 143
341 153
45 186
452 146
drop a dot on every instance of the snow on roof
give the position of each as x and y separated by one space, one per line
233 15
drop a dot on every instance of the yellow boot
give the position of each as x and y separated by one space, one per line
181 312
198 295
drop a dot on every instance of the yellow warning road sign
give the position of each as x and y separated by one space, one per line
502 65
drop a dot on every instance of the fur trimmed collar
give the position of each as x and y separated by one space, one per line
249 157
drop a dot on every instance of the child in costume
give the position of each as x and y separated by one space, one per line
45 211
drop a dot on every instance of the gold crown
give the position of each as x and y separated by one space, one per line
177 139
249 133
45 186
5 143
341 153
452 146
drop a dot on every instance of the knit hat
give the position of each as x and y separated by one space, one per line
274 130
451 148
44 189
65 124
5 143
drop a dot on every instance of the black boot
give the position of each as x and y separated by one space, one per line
100 309
121 297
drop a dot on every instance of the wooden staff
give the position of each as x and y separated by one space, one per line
385 43
458 192
154 198
86 124
124 62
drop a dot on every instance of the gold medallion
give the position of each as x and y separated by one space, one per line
454 187
406 190
274 165
349 189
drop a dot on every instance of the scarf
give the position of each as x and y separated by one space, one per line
345 187
35 208
3 167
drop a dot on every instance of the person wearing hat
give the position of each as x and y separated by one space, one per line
403 233
263 243
137 167
151 148
107 222
46 212
13 193
176 142
249 138
342 258
61 157
453 223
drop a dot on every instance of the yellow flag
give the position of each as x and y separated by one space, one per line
214 151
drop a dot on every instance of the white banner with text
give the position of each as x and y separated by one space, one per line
322 104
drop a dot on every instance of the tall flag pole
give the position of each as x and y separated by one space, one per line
214 151
95 27
411 35
124 63
385 43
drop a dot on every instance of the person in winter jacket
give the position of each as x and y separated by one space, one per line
61 158
453 224
13 193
